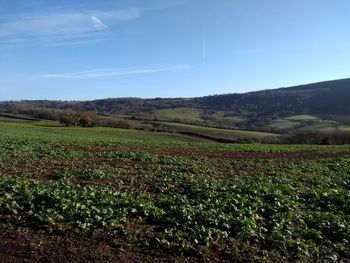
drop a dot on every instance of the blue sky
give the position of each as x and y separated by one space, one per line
82 49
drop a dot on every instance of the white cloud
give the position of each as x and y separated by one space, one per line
109 72
58 25
98 23
121 15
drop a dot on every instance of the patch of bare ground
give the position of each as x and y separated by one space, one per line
45 169
298 155
51 169
24 244
105 148
303 155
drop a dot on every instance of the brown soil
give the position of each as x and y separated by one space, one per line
22 244
306 155
301 155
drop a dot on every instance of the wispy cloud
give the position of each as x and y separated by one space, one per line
52 27
58 28
110 72
72 42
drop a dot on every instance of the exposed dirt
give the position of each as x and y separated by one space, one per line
97 149
306 155
41 170
23 244
301 155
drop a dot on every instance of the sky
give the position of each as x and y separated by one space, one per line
92 49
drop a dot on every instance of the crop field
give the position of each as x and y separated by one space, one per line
217 133
112 195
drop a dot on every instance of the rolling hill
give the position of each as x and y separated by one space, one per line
317 106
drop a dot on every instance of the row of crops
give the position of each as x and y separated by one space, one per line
196 200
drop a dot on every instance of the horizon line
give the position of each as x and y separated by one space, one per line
175 97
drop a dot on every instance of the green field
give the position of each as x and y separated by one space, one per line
302 118
217 132
7 119
113 195
52 128
303 123
344 128
283 124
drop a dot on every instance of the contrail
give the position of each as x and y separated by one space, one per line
204 43
98 24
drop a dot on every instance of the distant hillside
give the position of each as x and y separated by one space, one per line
329 97
317 106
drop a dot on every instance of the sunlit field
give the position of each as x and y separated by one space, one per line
100 194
